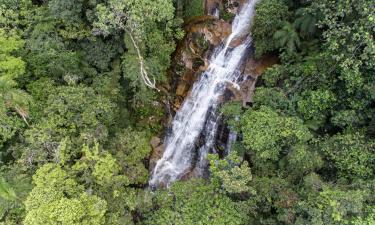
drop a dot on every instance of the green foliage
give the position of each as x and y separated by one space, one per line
334 206
267 133
274 201
314 105
194 8
287 38
74 116
149 47
194 202
6 191
305 22
232 111
14 187
58 198
100 53
68 11
274 98
352 154
269 17
13 16
137 15
101 173
49 55
232 176
98 168
131 148
75 78
14 102
324 82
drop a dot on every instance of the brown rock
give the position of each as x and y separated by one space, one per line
181 89
211 5
155 142
237 41
156 154
253 69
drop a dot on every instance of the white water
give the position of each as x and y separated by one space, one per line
194 114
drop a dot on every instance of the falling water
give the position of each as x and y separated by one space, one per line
198 112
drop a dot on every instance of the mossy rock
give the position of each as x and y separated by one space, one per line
197 63
201 42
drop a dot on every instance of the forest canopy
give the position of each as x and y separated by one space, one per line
80 100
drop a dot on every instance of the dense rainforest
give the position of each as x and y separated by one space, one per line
82 92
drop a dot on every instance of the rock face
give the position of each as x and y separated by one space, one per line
252 71
211 6
203 34
232 6
191 59
157 151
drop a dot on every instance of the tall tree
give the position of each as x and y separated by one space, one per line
14 102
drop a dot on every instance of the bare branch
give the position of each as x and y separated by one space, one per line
146 79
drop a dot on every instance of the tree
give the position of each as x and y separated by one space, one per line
131 148
305 22
75 115
333 206
230 174
352 154
69 11
14 188
273 202
301 160
287 38
57 198
140 19
99 172
316 105
266 133
268 19
194 202
49 55
13 101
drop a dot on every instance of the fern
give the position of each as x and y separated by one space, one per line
6 191
287 38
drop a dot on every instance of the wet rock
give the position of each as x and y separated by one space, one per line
182 88
191 58
251 72
237 41
155 142
211 6
233 6
156 154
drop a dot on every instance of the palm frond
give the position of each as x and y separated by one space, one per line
6 191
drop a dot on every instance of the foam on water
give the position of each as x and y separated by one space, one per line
195 112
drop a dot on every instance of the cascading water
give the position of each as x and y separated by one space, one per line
198 112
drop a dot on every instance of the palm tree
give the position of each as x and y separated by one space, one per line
6 191
12 98
287 38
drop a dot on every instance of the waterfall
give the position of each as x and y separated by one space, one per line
198 113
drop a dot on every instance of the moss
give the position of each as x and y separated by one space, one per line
224 12
197 63
201 42
227 16
193 8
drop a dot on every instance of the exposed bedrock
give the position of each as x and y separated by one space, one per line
191 58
